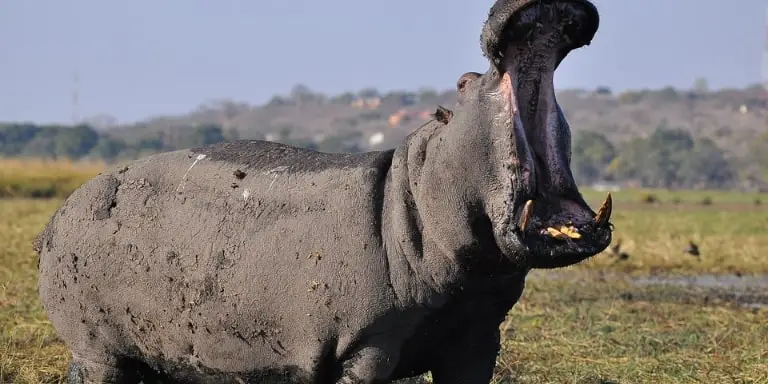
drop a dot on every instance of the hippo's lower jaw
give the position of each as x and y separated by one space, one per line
563 238
548 225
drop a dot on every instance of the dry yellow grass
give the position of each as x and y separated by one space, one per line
559 333
579 331
30 352
44 178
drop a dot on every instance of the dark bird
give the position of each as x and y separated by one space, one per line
616 251
692 249
616 248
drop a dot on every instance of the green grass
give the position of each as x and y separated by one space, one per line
671 197
584 332
730 240
579 331
29 350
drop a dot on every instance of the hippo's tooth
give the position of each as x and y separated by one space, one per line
525 216
570 231
604 213
556 234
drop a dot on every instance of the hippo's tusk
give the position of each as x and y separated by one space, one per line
604 213
525 217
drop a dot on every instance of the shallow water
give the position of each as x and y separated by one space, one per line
747 291
707 281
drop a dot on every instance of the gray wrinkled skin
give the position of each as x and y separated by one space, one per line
256 262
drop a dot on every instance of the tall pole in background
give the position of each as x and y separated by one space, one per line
764 74
75 98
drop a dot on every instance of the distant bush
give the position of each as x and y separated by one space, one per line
629 97
650 198
706 201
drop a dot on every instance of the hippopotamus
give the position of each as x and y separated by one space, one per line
254 262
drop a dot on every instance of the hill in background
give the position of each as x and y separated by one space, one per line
656 138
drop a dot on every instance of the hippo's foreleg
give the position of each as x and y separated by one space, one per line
371 364
86 372
471 358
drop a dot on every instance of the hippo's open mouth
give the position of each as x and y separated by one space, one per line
550 220
565 232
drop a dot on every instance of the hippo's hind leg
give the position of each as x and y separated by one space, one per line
112 371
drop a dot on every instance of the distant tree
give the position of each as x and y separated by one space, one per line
400 98
758 153
603 90
108 148
368 92
591 153
371 116
706 166
658 160
42 145
208 134
632 161
631 97
301 94
151 143
701 85
668 94
75 142
14 137
278 100
345 98
408 98
667 151
427 95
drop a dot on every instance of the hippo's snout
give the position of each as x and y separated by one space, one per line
516 20
548 220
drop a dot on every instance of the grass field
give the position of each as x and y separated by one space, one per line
43 178
580 326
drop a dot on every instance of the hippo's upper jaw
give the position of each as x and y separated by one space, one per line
546 223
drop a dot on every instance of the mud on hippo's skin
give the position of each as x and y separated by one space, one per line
254 261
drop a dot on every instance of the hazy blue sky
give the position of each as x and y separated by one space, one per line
139 58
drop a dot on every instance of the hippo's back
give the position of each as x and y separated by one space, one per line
196 254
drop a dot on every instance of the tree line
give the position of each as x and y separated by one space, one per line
667 158
84 142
